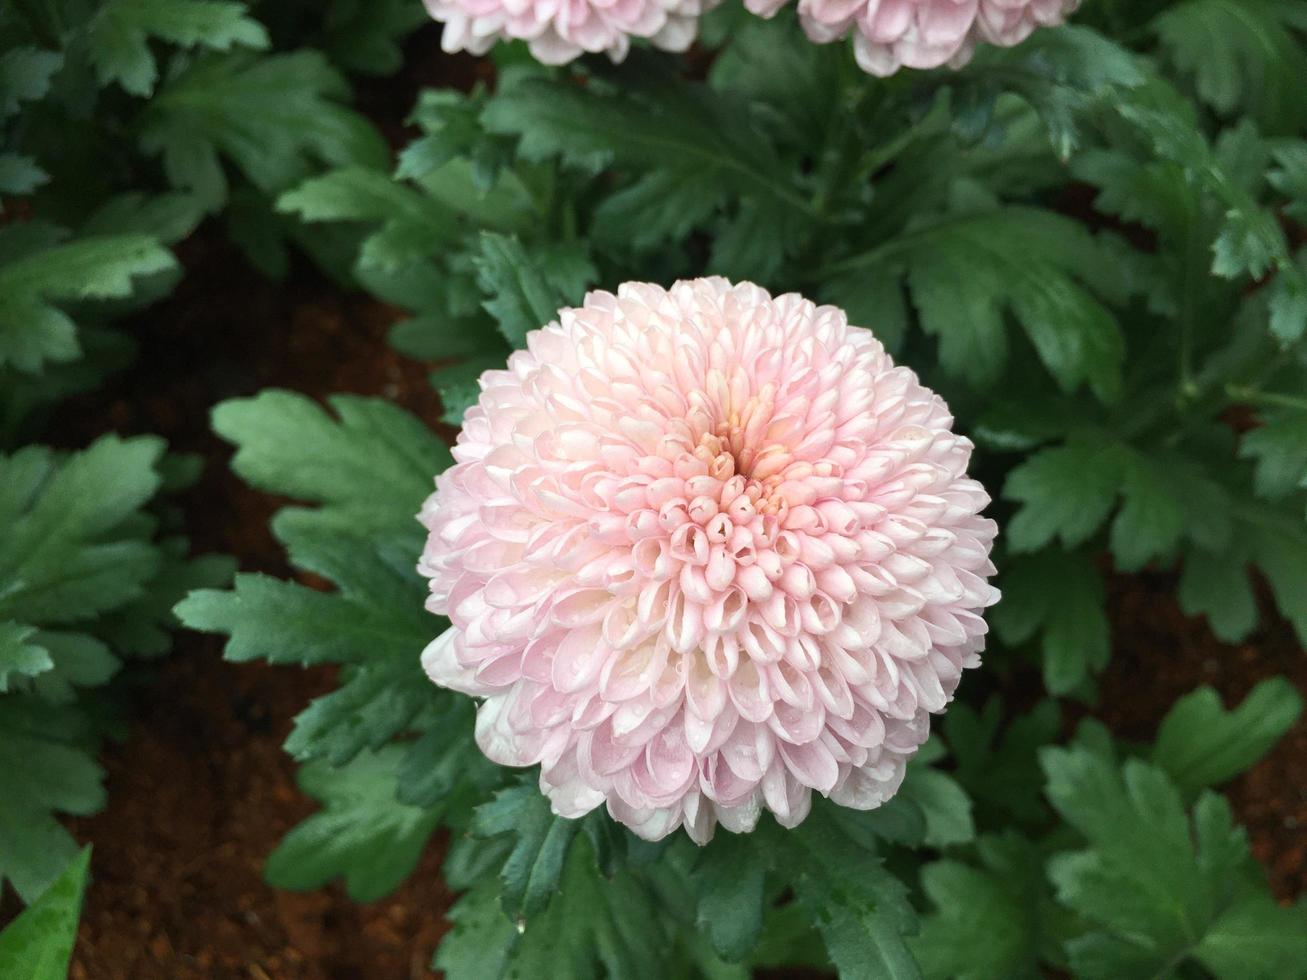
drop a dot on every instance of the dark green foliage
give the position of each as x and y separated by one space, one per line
992 921
585 899
119 34
530 874
33 332
370 472
38 944
860 909
1157 885
1242 55
528 290
1200 744
218 109
92 555
361 833
732 896
1090 244
81 578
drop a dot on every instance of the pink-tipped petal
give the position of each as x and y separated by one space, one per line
893 34
705 552
558 32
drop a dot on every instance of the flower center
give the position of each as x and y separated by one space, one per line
727 458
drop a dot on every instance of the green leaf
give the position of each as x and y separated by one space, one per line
47 766
443 759
1279 447
438 336
1278 545
542 840
1257 939
480 944
1241 55
1066 492
965 271
413 226
76 660
1251 241
1001 771
661 207
1152 515
1217 586
751 244
654 123
25 75
142 628
459 386
119 34
39 943
379 638
774 66
991 922
376 463
316 627
32 330
459 163
66 555
365 35
1153 881
1288 306
1291 177
527 289
20 174
729 881
946 806
1200 744
594 927
1149 192
370 472
18 658
860 909
873 299
219 107
1059 596
167 217
362 833
593 922
1063 73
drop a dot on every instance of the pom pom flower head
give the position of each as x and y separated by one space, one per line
706 551
893 34
559 30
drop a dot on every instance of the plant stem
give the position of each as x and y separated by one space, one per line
877 158
1254 396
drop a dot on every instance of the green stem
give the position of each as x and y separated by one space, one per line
852 91
1254 396
875 159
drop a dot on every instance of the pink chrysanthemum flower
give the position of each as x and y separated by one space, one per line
559 30
893 34
706 551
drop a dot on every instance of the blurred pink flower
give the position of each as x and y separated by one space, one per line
559 30
893 34
706 551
